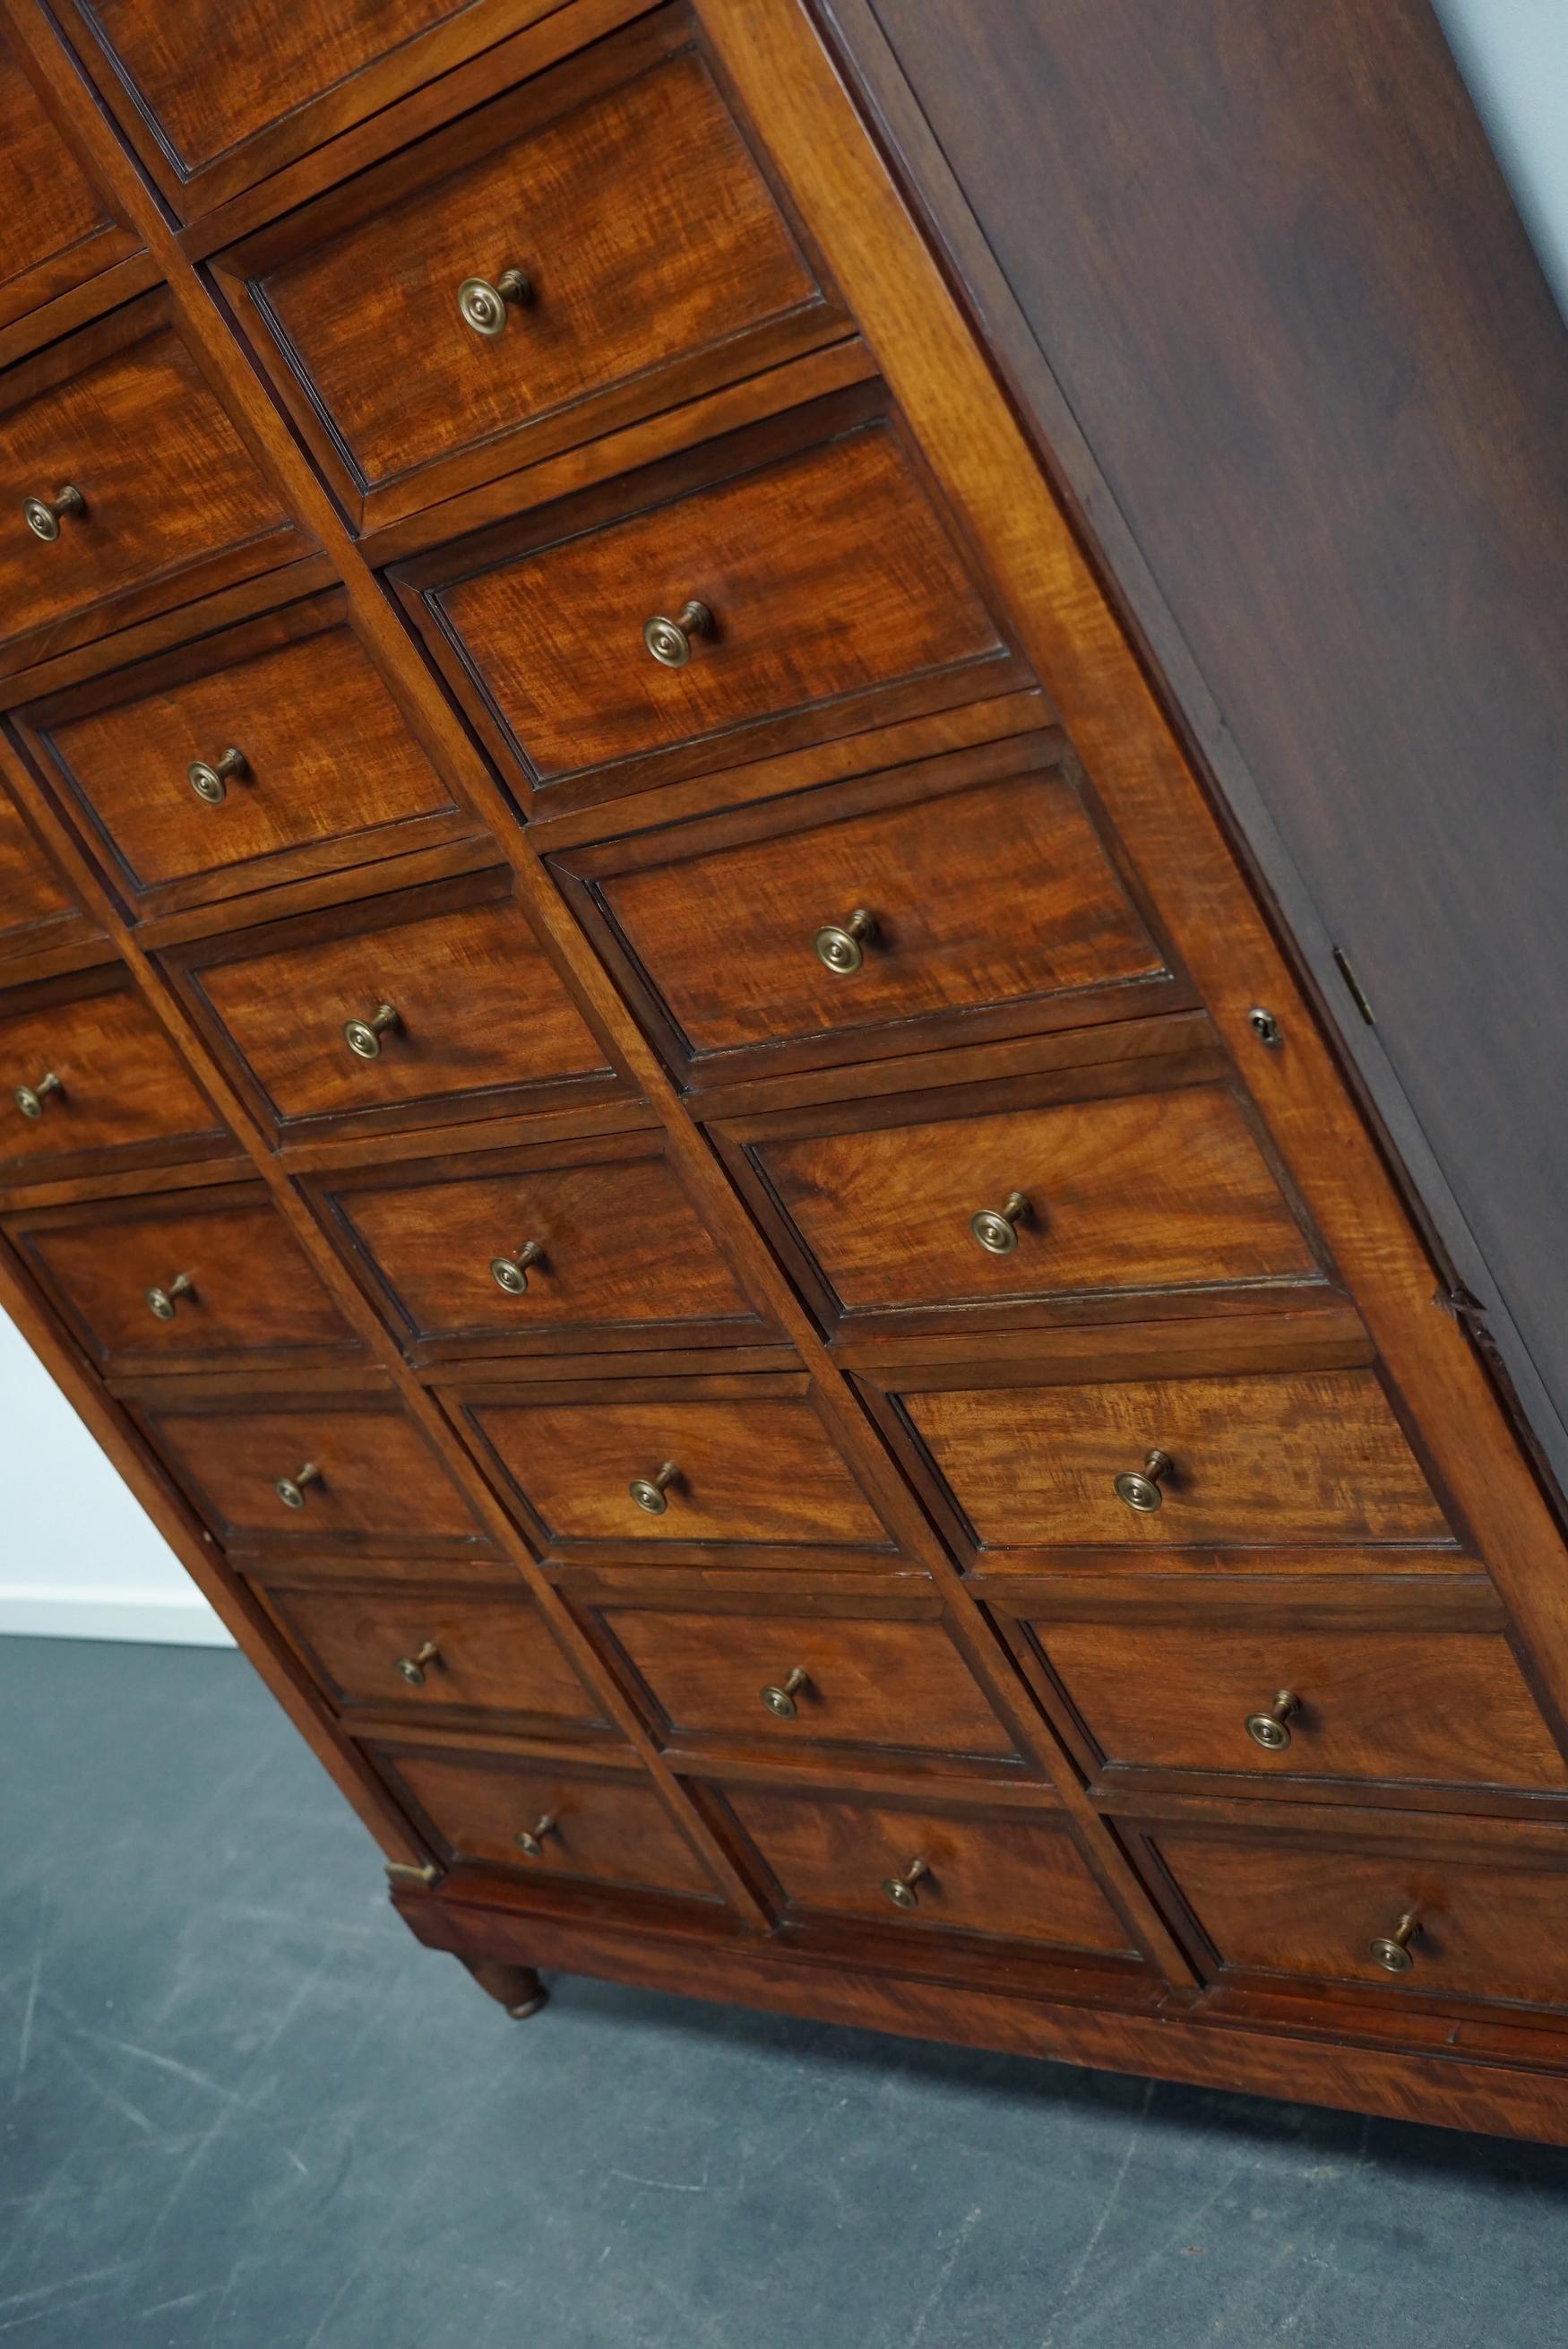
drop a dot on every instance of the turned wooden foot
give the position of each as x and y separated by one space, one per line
517 1987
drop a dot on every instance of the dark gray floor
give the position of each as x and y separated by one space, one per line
239 2107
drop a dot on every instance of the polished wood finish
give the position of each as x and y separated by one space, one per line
125 1097
55 229
333 777
657 266
41 926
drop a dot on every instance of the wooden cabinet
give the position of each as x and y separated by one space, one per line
646 1098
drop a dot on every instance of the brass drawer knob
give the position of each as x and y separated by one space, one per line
291 1490
1140 1487
412 1668
780 1698
486 307
30 1098
840 945
510 1272
44 516
210 779
530 1840
996 1229
900 1890
363 1036
1271 1729
669 641
1392 1953
161 1302
648 1492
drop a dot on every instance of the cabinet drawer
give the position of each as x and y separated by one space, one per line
978 896
1018 1878
807 1679
328 773
55 230
473 1017
605 1827
834 595
928 1209
1288 1457
172 503
1433 1706
434 1649
748 1470
357 1473
119 1091
623 1258
41 925
1481 1931
182 1283
655 265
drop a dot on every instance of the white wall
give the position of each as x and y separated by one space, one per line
78 1557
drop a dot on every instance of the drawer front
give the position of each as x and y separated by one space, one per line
809 1679
438 1649
1435 1706
1481 1931
328 772
179 1282
1018 1878
164 479
746 1471
120 1085
622 189
37 914
1297 1456
55 231
376 1480
619 1251
827 578
731 930
1132 1194
480 1018
603 1828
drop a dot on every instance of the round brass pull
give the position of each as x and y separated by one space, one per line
648 1492
291 1490
30 1098
486 307
529 1841
412 1668
161 1302
510 1272
210 779
363 1036
840 945
1270 1730
1140 1487
996 1229
779 1699
900 1890
1391 1952
44 516
669 641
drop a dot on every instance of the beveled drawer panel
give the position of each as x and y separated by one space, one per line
40 922
605 1827
654 260
976 897
1444 1707
753 1469
831 590
171 500
56 230
438 1649
1287 1457
1301 1910
360 1473
120 1093
806 1679
623 1257
479 1021
328 772
1018 1878
182 1282
1152 1185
